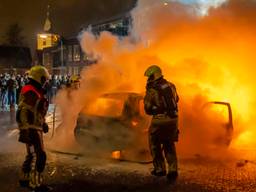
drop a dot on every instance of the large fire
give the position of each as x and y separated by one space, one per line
209 58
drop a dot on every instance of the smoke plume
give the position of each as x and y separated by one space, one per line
209 58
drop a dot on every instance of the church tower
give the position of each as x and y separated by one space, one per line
47 24
47 38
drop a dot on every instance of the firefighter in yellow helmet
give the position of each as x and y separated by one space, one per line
161 102
30 117
74 82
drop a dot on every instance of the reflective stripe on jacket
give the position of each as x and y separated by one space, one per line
29 114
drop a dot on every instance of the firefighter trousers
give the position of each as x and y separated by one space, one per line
35 161
162 149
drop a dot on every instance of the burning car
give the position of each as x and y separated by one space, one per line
113 122
117 123
226 123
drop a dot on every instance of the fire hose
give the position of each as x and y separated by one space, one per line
77 155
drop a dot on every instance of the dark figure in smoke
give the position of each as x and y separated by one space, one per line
161 101
31 113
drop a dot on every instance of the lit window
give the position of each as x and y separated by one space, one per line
70 53
76 53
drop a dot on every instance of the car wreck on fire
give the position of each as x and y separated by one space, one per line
226 124
117 122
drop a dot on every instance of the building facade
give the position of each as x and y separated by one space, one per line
45 40
67 57
118 25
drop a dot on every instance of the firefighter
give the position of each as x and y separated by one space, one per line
74 82
161 102
30 117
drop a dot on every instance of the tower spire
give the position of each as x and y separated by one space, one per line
47 24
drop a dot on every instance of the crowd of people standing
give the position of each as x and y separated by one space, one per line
10 87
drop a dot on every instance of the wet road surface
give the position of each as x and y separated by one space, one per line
87 173
69 173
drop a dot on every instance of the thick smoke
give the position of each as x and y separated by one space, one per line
209 58
202 6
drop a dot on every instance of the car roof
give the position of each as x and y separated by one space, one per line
122 95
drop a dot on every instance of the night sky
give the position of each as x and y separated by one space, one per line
67 16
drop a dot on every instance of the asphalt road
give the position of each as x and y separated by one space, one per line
70 173
100 173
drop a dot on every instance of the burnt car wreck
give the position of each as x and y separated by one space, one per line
117 124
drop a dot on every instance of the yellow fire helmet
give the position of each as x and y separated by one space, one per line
39 72
74 78
154 71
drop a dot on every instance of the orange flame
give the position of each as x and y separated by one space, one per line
116 155
209 58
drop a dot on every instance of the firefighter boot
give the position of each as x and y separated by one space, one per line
36 180
24 180
172 177
36 183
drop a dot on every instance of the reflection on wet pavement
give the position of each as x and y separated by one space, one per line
100 173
